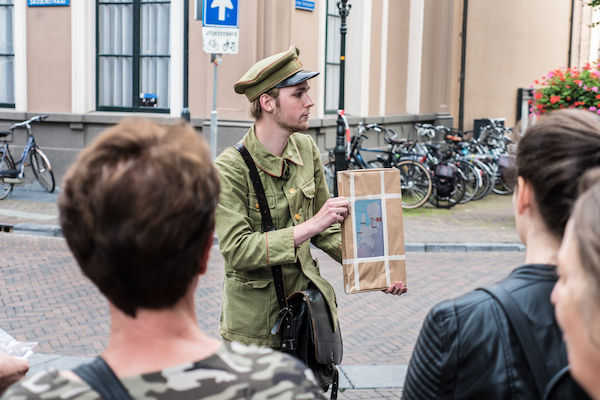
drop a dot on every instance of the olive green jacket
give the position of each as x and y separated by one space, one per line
296 189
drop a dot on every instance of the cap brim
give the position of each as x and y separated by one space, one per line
297 78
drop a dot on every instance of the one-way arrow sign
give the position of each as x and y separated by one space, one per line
220 13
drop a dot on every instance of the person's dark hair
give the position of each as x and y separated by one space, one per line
137 211
552 155
256 108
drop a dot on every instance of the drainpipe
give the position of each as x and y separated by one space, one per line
571 33
463 61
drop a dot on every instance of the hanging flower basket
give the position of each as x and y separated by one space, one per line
568 88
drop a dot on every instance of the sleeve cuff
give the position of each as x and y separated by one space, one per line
280 246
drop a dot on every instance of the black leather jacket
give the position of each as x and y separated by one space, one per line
467 350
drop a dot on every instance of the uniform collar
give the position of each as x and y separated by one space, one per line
267 161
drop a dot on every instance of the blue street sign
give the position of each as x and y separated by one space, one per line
305 5
42 3
220 13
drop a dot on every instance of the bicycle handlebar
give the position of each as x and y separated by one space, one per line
37 118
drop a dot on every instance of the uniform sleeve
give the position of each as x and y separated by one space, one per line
330 240
242 246
431 360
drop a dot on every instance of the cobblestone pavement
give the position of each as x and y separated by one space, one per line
46 299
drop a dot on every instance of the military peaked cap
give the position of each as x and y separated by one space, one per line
279 70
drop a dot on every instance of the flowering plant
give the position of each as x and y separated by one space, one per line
568 88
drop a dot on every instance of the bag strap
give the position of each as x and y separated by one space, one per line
103 380
267 225
519 323
267 221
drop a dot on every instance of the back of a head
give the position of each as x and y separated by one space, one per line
137 211
552 155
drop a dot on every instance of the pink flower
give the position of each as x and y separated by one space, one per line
592 108
595 89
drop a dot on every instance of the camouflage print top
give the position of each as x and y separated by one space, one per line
235 371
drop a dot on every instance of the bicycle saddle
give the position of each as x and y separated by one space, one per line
5 133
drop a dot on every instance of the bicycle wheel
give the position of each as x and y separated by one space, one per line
415 182
42 169
500 186
472 180
487 178
6 163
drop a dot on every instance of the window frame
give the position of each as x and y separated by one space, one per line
329 63
135 56
12 6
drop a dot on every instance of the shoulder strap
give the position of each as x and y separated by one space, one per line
520 326
267 221
103 380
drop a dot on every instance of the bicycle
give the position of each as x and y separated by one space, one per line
415 180
12 173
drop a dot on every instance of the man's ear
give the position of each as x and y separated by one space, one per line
205 255
524 195
267 102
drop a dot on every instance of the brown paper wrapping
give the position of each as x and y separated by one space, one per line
373 233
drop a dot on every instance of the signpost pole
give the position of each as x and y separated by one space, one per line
340 151
185 111
215 59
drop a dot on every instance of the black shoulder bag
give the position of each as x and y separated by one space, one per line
545 385
304 322
103 380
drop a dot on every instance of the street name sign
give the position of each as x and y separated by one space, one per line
42 3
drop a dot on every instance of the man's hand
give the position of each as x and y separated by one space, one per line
12 369
397 288
334 210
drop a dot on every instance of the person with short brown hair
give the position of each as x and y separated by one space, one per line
576 295
467 348
137 211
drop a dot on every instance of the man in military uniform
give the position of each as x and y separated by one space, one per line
303 212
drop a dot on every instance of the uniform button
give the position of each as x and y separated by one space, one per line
292 190
257 206
297 216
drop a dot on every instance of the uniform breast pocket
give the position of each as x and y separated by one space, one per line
308 192
254 211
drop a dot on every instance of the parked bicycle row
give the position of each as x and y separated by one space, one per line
444 172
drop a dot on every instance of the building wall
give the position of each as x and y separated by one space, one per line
49 59
439 34
509 45
397 56
403 61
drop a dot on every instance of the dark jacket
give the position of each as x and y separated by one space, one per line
467 350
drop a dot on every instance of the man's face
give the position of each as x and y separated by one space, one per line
293 107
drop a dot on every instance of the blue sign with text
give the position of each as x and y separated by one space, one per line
43 3
220 13
305 5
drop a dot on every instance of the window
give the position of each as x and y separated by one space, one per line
133 55
7 56
332 58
